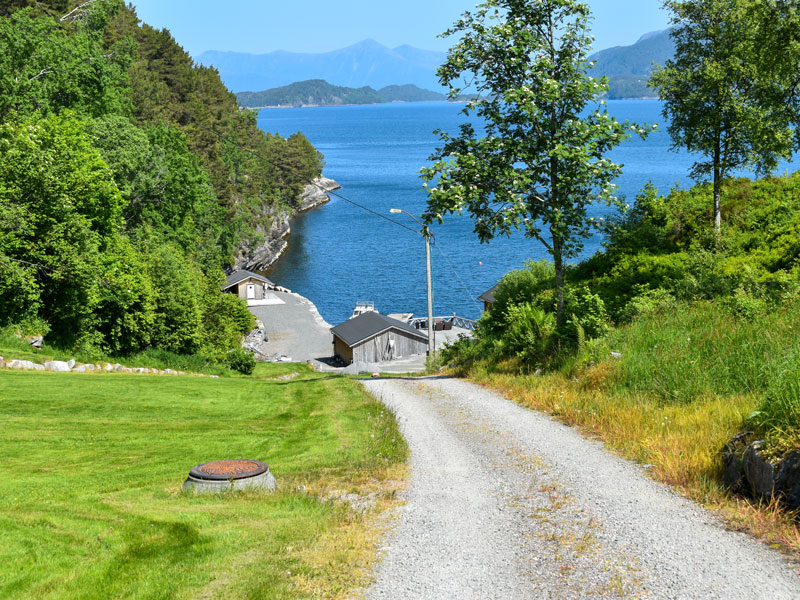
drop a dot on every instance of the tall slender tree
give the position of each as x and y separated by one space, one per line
730 93
539 162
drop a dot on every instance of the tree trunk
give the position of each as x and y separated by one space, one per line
717 193
558 261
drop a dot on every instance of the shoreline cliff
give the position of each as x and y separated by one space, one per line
265 254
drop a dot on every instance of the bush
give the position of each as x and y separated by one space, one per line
241 360
533 284
645 302
587 310
529 331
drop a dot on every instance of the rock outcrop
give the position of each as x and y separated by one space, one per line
748 472
262 256
317 194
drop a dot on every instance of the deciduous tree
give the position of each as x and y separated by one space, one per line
535 157
730 93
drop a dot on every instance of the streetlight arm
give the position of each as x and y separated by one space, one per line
397 211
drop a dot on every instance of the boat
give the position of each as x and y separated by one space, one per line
363 306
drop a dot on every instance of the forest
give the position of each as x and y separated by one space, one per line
129 178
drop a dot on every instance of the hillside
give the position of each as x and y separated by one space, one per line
317 92
119 244
409 93
628 67
367 63
314 92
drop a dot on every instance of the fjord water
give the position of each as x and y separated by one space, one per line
339 253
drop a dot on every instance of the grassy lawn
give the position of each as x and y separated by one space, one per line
91 503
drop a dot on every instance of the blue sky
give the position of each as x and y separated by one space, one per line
260 26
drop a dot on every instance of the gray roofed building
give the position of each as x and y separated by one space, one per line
373 337
251 287
488 297
238 277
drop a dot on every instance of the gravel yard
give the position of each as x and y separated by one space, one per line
507 503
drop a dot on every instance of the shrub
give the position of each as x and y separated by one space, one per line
533 284
241 360
645 302
587 310
529 331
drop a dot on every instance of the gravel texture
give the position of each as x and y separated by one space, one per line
506 503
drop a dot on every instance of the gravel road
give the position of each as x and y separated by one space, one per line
506 503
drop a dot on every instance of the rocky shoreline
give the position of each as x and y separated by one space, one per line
262 256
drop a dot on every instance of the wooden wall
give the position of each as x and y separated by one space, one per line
377 349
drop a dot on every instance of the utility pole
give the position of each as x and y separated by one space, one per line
431 339
425 232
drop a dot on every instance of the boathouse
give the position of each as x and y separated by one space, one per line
252 287
373 337
488 297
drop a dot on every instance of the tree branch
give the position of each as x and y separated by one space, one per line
78 13
42 73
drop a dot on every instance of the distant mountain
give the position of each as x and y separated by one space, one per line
316 92
367 63
628 67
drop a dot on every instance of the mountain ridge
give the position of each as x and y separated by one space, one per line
371 64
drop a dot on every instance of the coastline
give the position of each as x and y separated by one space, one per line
289 106
285 106
263 256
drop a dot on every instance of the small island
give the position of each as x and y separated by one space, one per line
318 92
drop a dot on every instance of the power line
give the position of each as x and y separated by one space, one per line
236 144
473 297
362 207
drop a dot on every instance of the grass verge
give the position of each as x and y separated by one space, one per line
90 501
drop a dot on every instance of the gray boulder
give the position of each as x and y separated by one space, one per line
21 365
80 369
35 340
759 472
71 363
787 482
57 366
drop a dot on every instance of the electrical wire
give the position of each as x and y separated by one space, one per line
472 296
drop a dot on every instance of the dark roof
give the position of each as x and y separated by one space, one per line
370 324
488 296
239 276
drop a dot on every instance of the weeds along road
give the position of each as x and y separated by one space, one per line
506 503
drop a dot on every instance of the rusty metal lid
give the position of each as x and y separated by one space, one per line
225 470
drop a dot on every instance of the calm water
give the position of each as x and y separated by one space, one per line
339 253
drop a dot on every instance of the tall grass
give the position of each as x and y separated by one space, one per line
13 347
688 379
703 350
694 350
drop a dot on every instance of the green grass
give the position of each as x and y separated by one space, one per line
13 347
701 350
90 501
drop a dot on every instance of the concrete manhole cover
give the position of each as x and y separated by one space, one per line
238 474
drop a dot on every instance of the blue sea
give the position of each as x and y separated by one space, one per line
339 253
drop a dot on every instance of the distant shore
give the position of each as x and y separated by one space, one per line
285 106
282 106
